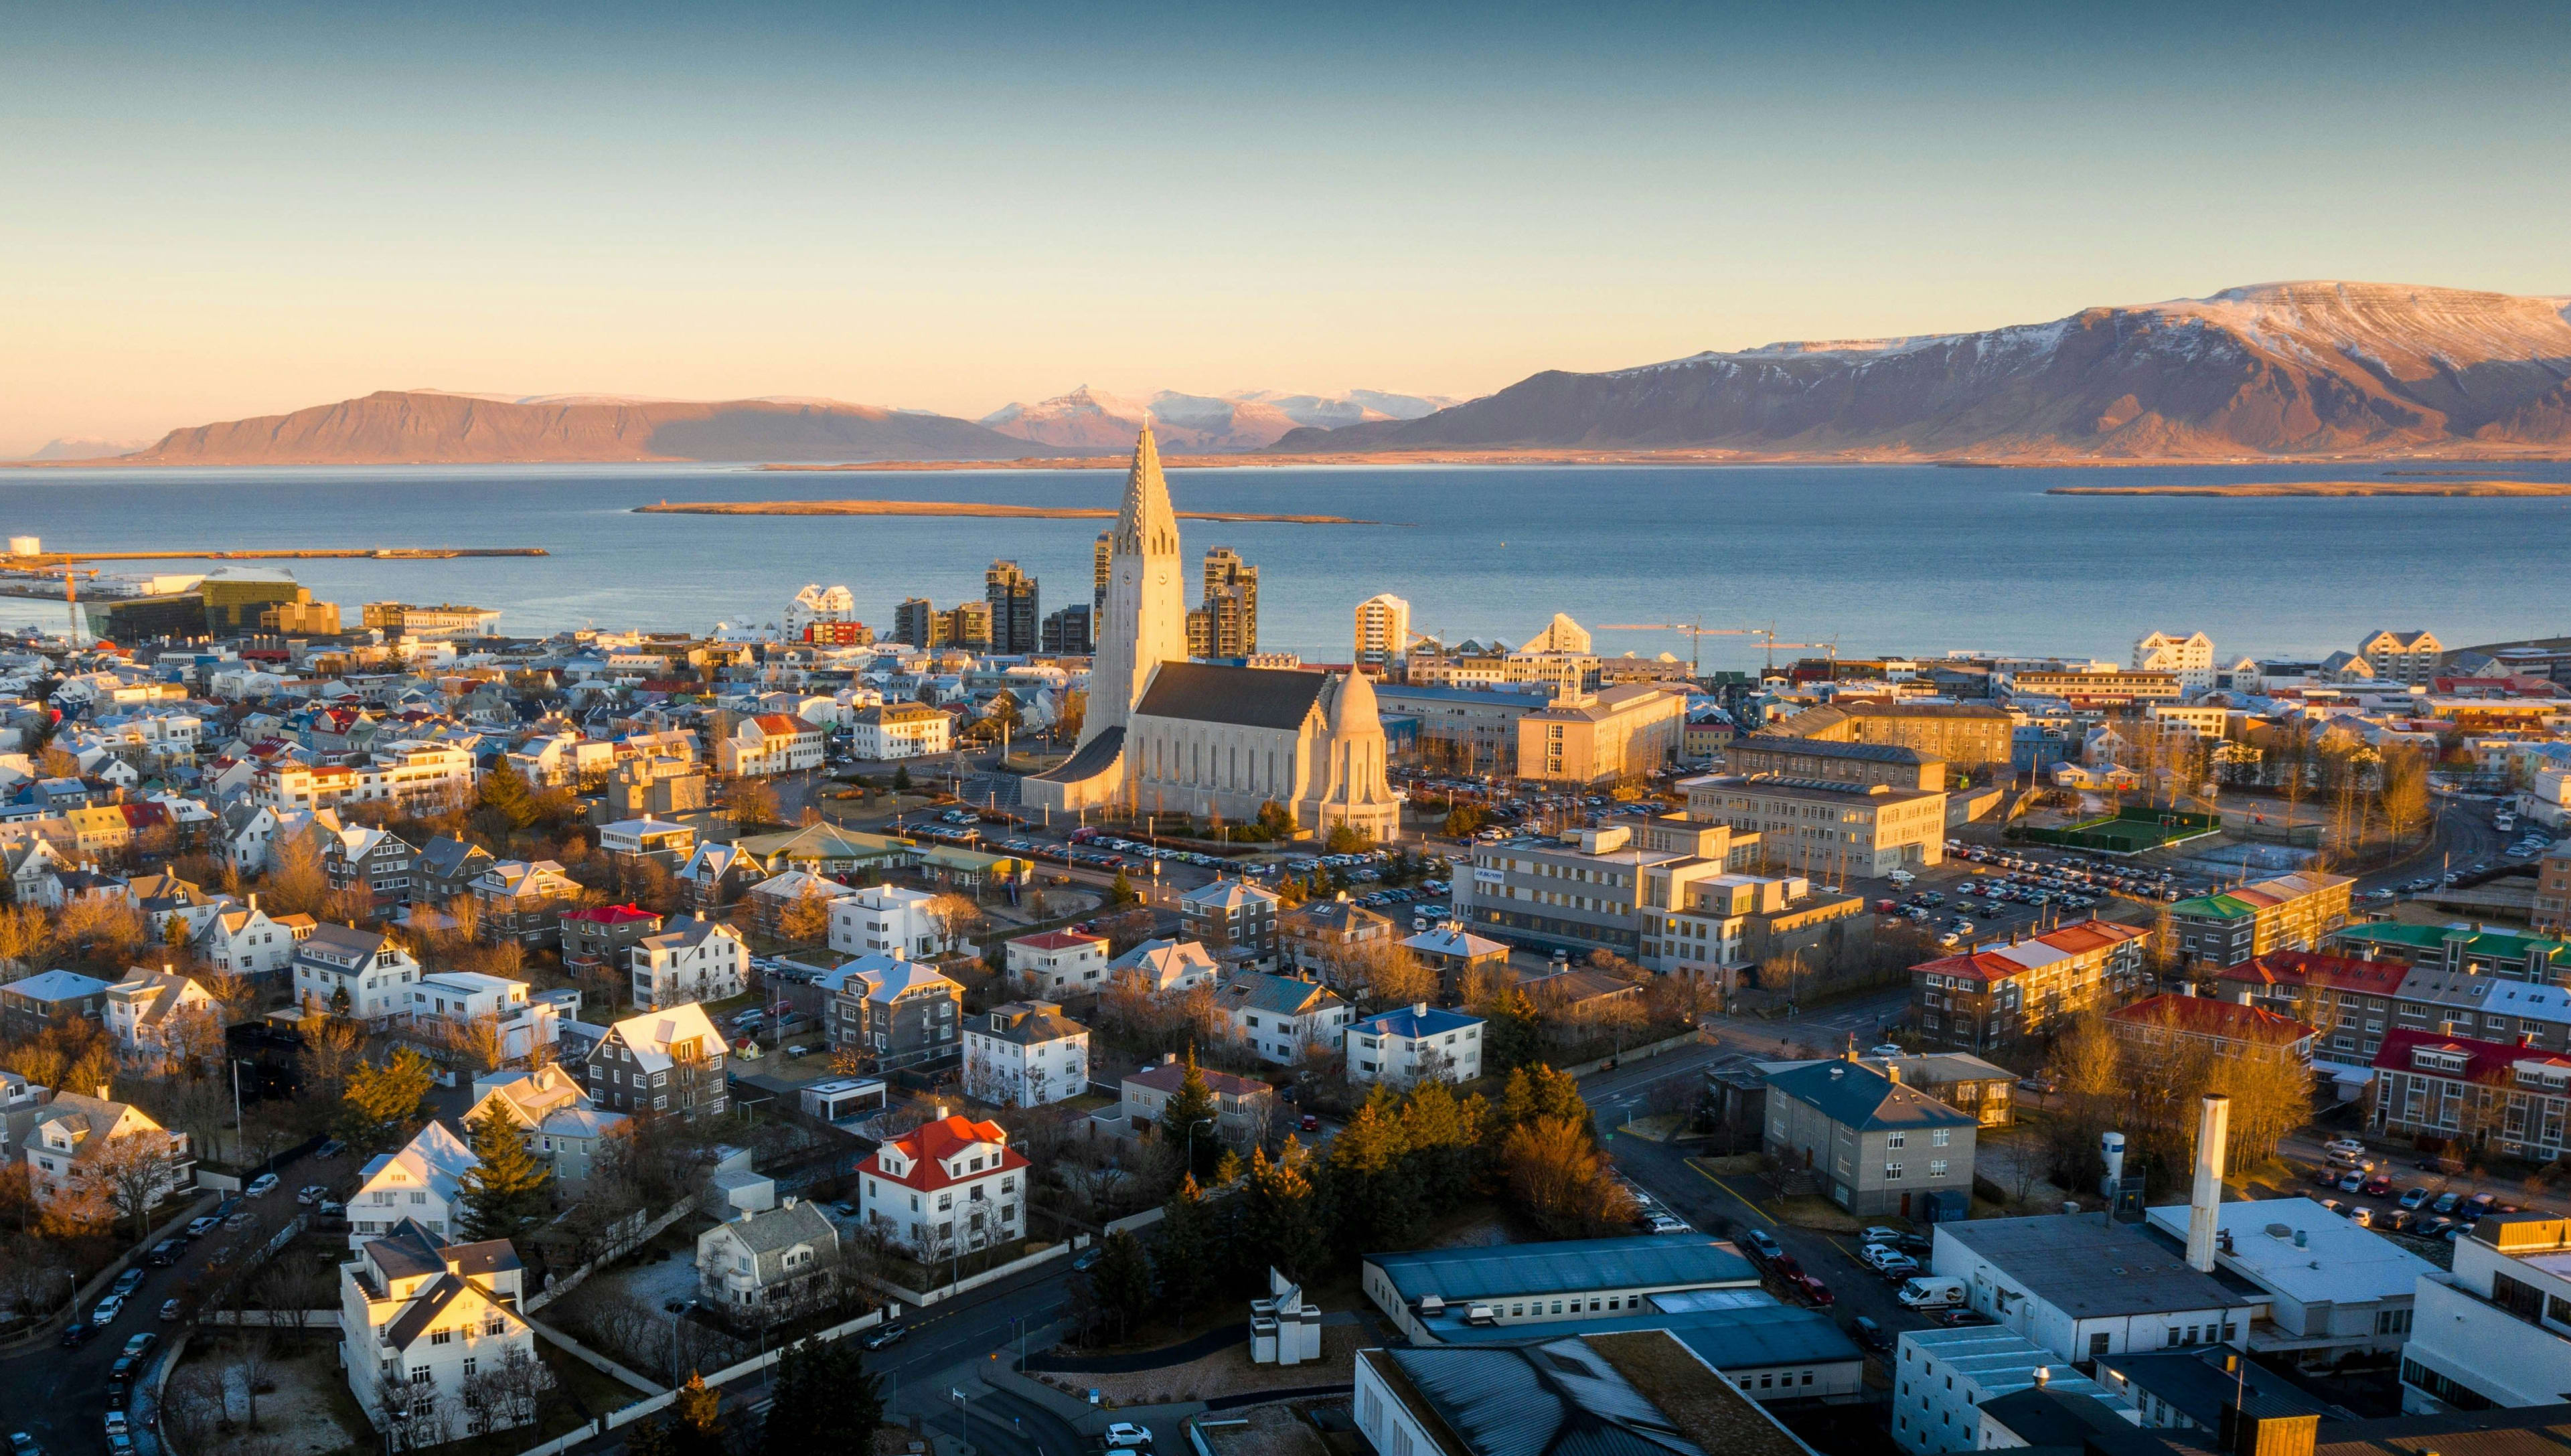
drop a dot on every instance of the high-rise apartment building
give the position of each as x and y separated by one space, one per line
1067 631
968 627
2407 658
915 622
1016 622
1384 632
2189 659
1231 604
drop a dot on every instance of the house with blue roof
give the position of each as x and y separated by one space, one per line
1415 1043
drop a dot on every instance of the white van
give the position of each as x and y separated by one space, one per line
1929 1291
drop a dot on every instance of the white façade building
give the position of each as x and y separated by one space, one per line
422 1184
2496 1329
431 1336
888 918
689 960
1415 1042
1025 1054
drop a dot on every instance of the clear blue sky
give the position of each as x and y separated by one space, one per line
207 215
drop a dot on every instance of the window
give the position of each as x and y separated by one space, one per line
1893 1140
442 1337
1939 1137
1893 1173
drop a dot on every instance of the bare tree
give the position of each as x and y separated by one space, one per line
133 1174
251 1359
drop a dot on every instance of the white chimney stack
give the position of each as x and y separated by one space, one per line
2111 1145
2213 1125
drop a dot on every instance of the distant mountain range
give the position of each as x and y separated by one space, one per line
2285 370
1092 419
428 426
75 448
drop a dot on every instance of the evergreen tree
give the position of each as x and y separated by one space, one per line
823 1400
1510 1034
902 778
1119 1283
1283 1216
382 1105
504 1195
1192 1105
1122 893
1371 1190
1183 1259
1442 1134
505 791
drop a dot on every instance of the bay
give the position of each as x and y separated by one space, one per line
1906 559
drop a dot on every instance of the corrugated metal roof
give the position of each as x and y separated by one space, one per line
1674 1261
1558 1398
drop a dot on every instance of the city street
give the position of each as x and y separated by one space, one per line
59 1396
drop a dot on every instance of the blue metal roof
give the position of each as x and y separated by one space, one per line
1749 1337
1643 1261
1410 1021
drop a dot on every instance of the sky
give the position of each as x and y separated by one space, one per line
210 212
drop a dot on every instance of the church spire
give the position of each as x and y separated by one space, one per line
1145 524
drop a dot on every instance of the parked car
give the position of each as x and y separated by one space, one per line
1763 1245
887 1334
1957 1318
1811 1291
331 1209
1890 1262
77 1333
2377 1187
169 1310
310 1194
2480 1203
2351 1183
331 1149
199 1227
2446 1203
2415 1196
22 1444
1870 1334
1126 1436
107 1310
167 1251
262 1186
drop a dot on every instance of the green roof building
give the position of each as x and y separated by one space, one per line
2516 955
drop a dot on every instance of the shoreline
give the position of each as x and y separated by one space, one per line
979 509
2339 489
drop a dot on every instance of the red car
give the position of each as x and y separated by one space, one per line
1812 1290
2377 1188
1785 1267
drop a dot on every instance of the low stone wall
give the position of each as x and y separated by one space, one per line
1654 1048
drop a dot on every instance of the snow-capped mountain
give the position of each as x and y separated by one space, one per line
2277 368
1248 419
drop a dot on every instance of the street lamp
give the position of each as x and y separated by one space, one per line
1191 1143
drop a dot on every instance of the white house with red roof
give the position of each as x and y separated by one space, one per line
951 1186
1058 962
769 742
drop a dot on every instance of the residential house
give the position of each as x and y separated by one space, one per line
663 1062
947 1187
1331 939
601 938
899 1012
448 1002
1284 1019
764 903
425 1328
1457 955
163 898
32 863
2291 912
1231 917
52 998
250 942
1245 1107
768 743
886 918
2002 998
2406 657
523 900
1057 963
373 862
1872 1143
147 1009
1025 1054
446 869
714 877
1164 966
1417 1043
351 972
768 1265
629 845
562 1126
2223 1030
690 960
64 1144
422 1184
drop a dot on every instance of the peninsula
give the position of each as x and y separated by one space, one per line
959 508
2334 488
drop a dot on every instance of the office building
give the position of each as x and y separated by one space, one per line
1231 605
2492 1331
1783 755
1067 631
1827 826
1970 737
1600 738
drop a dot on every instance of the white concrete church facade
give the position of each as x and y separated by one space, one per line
1168 735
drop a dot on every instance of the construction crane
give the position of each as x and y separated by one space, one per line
1697 632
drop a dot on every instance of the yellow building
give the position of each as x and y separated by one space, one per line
302 618
237 598
1600 738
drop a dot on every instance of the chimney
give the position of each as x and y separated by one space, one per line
102 1090
1892 1073
2111 1146
1419 1008
2043 1376
2212 1125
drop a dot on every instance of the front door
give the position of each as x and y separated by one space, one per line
1905 1206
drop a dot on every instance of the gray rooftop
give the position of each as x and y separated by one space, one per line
1854 1095
1674 1260
2090 1268
1832 748
1558 1398
1248 697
